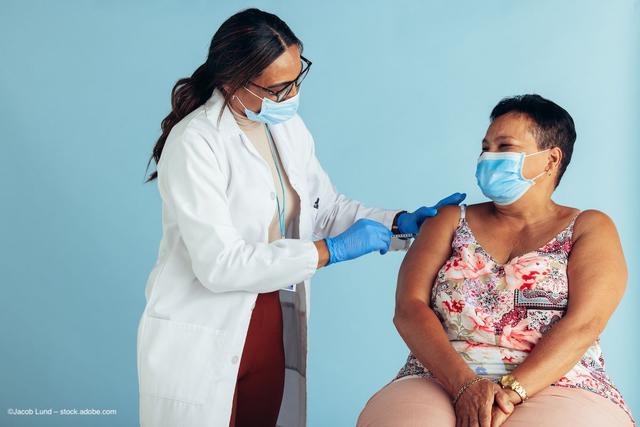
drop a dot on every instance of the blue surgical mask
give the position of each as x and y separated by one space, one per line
499 176
272 112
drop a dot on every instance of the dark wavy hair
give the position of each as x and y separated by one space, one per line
244 45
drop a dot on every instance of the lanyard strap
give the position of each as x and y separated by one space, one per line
281 211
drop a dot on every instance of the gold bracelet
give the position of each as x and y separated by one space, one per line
465 387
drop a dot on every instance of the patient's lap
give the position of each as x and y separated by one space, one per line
419 402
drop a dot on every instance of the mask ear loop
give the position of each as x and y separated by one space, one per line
251 92
540 174
241 103
243 106
537 152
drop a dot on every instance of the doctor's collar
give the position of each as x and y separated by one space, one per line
225 124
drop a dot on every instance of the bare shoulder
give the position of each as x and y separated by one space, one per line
479 210
450 212
593 217
446 220
428 252
597 255
595 223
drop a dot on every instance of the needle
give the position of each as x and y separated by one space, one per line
404 236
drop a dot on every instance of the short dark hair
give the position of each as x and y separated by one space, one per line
553 125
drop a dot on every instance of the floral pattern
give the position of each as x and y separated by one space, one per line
494 314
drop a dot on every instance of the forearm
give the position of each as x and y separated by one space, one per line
340 212
422 332
556 353
323 252
249 266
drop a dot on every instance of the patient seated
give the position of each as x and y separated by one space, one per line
501 303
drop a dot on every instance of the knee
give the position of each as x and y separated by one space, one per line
410 402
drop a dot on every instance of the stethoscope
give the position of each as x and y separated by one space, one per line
281 208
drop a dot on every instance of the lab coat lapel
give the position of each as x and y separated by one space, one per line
228 123
283 144
294 305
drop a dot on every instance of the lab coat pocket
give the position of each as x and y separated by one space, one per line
177 359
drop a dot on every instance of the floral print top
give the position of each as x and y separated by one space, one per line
494 314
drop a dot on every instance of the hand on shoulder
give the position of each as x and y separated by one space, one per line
446 214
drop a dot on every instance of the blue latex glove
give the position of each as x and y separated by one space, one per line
411 222
364 236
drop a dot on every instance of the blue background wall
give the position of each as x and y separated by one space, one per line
397 100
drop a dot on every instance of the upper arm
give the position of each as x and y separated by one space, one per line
427 254
195 187
597 271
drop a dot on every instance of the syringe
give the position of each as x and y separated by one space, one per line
404 236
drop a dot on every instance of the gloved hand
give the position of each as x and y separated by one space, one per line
411 222
364 236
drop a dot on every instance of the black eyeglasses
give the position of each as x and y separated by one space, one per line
282 93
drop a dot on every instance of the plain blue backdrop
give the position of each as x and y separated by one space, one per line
398 101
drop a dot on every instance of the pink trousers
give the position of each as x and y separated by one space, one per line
419 402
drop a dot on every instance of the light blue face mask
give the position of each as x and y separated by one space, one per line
272 112
499 176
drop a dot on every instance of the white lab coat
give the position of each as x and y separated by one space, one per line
218 199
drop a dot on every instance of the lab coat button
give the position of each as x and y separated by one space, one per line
273 195
234 359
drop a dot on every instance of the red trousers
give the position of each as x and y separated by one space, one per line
260 384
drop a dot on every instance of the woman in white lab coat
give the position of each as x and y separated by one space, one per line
248 217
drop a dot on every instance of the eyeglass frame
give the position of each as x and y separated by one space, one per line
287 89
